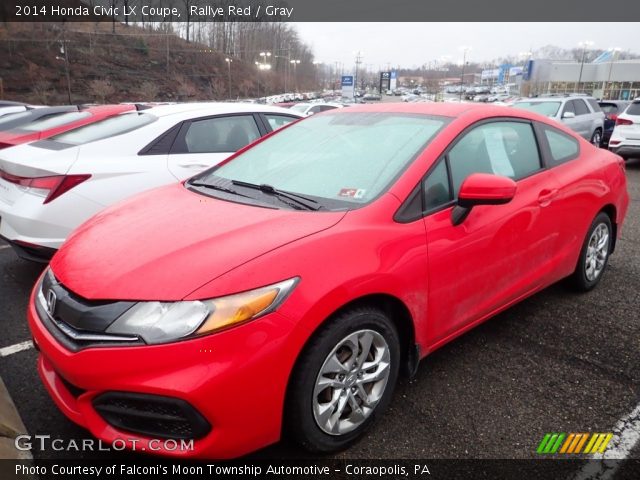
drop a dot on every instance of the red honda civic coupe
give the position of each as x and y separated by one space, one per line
284 291
46 126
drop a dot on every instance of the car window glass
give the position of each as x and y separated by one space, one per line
221 134
54 121
562 146
106 128
278 121
315 109
568 107
580 107
500 148
609 108
324 108
436 187
633 109
348 158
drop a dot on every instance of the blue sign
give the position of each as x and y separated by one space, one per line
394 74
527 70
347 81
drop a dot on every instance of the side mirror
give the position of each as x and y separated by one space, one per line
568 115
482 189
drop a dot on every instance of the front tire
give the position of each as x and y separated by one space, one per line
594 254
343 380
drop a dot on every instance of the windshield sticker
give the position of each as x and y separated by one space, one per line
352 192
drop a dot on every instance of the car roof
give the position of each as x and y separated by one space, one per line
213 108
445 109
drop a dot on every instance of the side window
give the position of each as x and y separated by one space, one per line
324 108
500 148
436 187
563 148
278 121
315 109
568 107
221 134
594 105
581 107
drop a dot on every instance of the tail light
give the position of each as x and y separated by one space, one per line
50 187
623 121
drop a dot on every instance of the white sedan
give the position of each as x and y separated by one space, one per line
49 187
307 109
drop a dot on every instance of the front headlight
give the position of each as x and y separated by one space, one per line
161 322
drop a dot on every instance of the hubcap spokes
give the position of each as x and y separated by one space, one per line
597 251
351 382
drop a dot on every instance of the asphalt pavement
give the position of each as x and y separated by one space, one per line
557 362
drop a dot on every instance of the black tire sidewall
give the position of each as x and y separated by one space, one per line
299 417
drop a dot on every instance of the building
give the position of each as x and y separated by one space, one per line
610 80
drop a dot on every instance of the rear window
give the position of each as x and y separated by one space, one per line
609 107
633 109
550 109
55 121
11 117
109 127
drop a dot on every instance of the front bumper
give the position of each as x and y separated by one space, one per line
236 380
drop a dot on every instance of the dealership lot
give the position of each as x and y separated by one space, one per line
558 362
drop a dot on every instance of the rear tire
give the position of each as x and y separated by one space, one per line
594 254
343 380
596 138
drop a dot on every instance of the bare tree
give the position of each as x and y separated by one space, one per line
148 91
101 89
42 91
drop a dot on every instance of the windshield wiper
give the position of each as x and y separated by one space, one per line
269 189
213 186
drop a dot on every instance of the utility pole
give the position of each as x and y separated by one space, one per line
355 78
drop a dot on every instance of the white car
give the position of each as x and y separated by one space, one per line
625 139
306 109
49 187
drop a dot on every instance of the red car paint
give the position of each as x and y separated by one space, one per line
172 244
19 136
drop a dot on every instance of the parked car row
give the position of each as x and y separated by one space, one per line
89 158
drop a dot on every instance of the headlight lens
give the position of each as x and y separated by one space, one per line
161 322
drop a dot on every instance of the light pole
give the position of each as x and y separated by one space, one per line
614 52
464 49
584 45
295 64
264 66
317 65
228 60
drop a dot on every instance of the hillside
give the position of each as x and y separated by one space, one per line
134 64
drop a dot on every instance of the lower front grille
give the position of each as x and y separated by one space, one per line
151 415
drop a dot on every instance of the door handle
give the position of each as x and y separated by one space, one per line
546 196
194 165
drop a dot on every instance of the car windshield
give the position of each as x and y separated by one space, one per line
550 109
343 160
54 121
106 128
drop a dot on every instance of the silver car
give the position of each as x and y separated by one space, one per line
580 113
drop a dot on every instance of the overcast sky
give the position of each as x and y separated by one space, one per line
414 44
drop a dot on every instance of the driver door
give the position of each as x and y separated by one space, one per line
499 252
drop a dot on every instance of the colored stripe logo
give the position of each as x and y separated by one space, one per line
573 443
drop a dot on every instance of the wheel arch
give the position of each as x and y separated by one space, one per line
398 313
611 212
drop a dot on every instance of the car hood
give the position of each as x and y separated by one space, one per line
168 242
